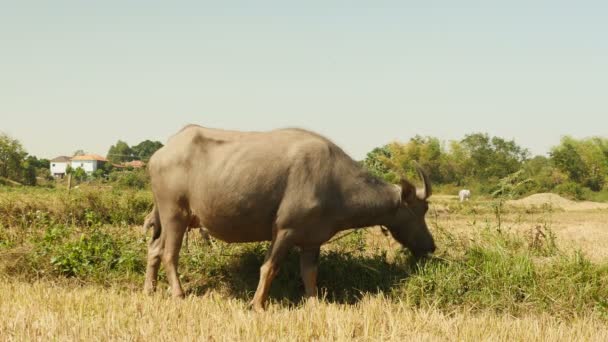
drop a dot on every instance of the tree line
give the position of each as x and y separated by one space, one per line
122 152
118 154
573 167
17 166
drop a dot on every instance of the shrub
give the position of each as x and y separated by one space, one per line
571 190
136 179
86 206
90 255
79 174
95 252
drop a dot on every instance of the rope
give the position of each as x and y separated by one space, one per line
352 231
342 236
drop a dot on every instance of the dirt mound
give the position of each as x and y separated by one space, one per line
556 201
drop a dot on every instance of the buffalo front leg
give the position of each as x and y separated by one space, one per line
278 249
155 251
309 265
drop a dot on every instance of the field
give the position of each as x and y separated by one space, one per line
71 267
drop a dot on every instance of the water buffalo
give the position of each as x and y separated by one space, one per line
290 186
464 195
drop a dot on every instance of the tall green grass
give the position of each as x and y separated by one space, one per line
86 206
88 237
499 272
493 276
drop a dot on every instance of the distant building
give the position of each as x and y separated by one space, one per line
136 164
88 162
59 165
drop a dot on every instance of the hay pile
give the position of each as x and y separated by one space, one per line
556 201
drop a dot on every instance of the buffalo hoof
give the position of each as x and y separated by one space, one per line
257 307
178 294
311 302
149 289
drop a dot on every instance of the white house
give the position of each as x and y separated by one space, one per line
89 162
58 166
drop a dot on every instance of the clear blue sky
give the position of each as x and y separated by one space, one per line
82 74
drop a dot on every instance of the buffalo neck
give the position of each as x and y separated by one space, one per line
367 201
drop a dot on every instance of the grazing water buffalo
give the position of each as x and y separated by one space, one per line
464 195
292 187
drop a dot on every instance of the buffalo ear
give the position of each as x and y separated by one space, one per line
408 191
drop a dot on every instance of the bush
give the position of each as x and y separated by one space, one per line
90 255
86 206
570 190
601 196
79 174
136 179
97 252
99 174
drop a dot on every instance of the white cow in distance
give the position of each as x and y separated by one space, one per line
464 195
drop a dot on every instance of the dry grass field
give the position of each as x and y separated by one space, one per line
43 311
585 230
540 275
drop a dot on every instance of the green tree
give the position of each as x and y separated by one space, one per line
79 174
12 159
11 155
145 149
492 157
395 160
453 166
428 152
585 161
566 158
375 162
478 158
29 172
99 174
120 152
544 175
38 163
107 168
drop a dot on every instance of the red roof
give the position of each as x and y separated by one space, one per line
135 164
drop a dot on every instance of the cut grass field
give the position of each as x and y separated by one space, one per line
71 267
44 311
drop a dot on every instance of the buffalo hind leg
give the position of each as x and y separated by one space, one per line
173 234
277 251
155 251
309 265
